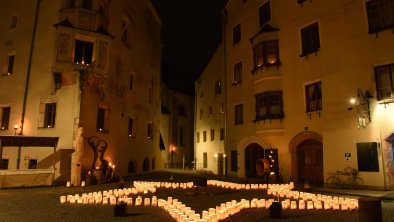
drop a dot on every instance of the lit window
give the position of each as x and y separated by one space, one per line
83 52
239 115
265 13
5 117
238 73
237 34
266 53
380 15
47 115
313 97
310 39
102 124
384 76
269 105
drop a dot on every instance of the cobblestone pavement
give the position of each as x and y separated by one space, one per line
42 204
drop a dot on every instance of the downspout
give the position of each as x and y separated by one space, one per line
224 23
33 37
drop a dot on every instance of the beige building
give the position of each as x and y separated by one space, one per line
176 128
89 63
292 68
210 115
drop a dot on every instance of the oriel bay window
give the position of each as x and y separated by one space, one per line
313 97
380 15
384 76
269 105
83 53
266 53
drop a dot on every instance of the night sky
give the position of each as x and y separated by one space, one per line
191 32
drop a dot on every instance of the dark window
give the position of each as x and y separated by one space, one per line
266 53
239 114
237 34
14 21
234 160
32 164
150 130
221 133
102 119
367 157
57 79
210 111
11 61
222 108
83 52
181 134
87 4
384 76
269 105
198 137
131 82
238 73
131 127
4 164
153 163
265 13
313 97
5 117
204 136
50 115
145 164
380 15
310 39
205 160
212 134
218 88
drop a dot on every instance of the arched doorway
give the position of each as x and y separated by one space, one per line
253 152
310 162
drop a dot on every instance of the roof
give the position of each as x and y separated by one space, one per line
26 141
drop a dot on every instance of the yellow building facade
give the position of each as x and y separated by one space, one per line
81 63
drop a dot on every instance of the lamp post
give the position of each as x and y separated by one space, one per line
172 155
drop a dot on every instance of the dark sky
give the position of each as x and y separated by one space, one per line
191 32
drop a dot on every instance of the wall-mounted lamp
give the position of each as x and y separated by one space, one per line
16 127
361 103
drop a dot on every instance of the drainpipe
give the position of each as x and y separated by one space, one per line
224 23
33 37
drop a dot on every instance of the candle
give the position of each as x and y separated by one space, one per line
154 201
68 184
301 205
82 183
147 201
63 199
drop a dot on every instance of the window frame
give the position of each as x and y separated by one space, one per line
204 136
263 17
237 75
390 74
131 131
212 134
103 119
310 101
237 34
10 64
5 117
310 39
238 113
265 51
269 98
47 115
150 131
218 87
85 53
377 15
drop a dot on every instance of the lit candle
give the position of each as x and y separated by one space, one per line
154 201
147 201
301 205
68 184
82 183
63 199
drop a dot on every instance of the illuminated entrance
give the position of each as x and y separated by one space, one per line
253 152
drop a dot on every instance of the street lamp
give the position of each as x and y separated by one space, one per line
172 155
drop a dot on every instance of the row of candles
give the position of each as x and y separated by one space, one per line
237 186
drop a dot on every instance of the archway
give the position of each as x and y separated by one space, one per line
306 152
132 168
253 152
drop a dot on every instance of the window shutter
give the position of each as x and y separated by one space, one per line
375 20
41 115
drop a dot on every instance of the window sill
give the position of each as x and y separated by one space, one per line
386 101
237 83
305 54
317 112
270 118
256 68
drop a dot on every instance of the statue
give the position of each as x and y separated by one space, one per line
98 146
77 159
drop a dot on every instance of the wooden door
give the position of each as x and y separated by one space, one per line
252 153
310 162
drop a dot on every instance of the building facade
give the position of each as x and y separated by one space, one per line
82 63
309 86
176 128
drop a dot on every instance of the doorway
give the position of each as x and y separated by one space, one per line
253 152
310 162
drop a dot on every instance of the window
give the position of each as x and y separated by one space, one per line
234 160
181 134
218 88
205 160
313 97
269 105
83 52
310 39
32 164
236 34
367 157
10 67
212 134
47 115
198 137
102 119
380 15
210 111
265 13
5 117
384 76
239 115
124 31
222 108
221 133
4 164
14 21
87 4
266 53
131 82
204 136
150 131
238 73
131 127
